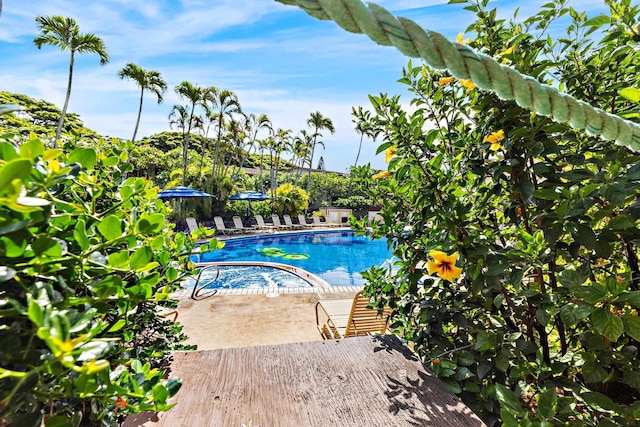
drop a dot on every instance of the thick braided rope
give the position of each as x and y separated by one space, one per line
462 62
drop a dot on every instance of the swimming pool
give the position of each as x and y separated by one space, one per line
337 257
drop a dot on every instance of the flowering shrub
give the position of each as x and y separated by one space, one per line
541 327
86 262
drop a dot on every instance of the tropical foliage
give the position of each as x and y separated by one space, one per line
517 278
290 200
87 265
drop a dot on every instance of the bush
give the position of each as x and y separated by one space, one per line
541 327
86 260
290 200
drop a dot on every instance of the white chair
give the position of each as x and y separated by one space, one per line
262 225
237 223
220 227
287 221
278 224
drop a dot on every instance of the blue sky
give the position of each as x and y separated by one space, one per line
278 60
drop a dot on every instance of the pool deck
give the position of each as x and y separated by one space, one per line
251 317
261 361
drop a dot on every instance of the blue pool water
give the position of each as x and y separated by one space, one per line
244 276
338 257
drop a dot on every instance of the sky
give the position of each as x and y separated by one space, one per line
276 58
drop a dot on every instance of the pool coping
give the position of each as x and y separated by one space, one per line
185 293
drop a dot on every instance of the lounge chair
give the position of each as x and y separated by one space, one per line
220 227
192 224
350 318
287 221
278 224
262 225
318 223
237 223
303 221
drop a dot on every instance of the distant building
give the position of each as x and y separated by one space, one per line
298 170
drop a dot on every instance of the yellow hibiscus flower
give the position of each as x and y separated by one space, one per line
381 175
494 139
446 80
460 40
468 84
390 153
444 265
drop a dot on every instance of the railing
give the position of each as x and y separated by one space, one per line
199 287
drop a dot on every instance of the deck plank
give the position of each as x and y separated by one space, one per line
365 381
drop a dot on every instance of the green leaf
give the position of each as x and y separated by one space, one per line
572 278
592 372
630 93
632 326
509 401
36 313
632 378
607 324
110 227
13 169
46 247
110 161
80 234
597 401
615 192
160 393
621 222
173 385
87 157
151 224
32 149
632 298
572 313
140 258
548 403
119 259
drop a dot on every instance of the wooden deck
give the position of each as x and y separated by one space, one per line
365 381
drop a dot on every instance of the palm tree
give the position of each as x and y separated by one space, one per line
64 33
253 124
146 80
301 146
195 96
224 104
280 142
363 127
317 122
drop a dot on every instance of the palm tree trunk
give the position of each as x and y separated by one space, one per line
313 151
215 154
135 131
66 101
359 148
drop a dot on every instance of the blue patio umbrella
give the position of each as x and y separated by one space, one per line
182 192
250 196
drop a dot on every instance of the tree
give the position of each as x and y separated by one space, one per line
223 104
278 143
64 33
363 127
195 96
317 122
146 80
542 220
301 145
253 124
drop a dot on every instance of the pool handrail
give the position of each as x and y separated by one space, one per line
196 289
